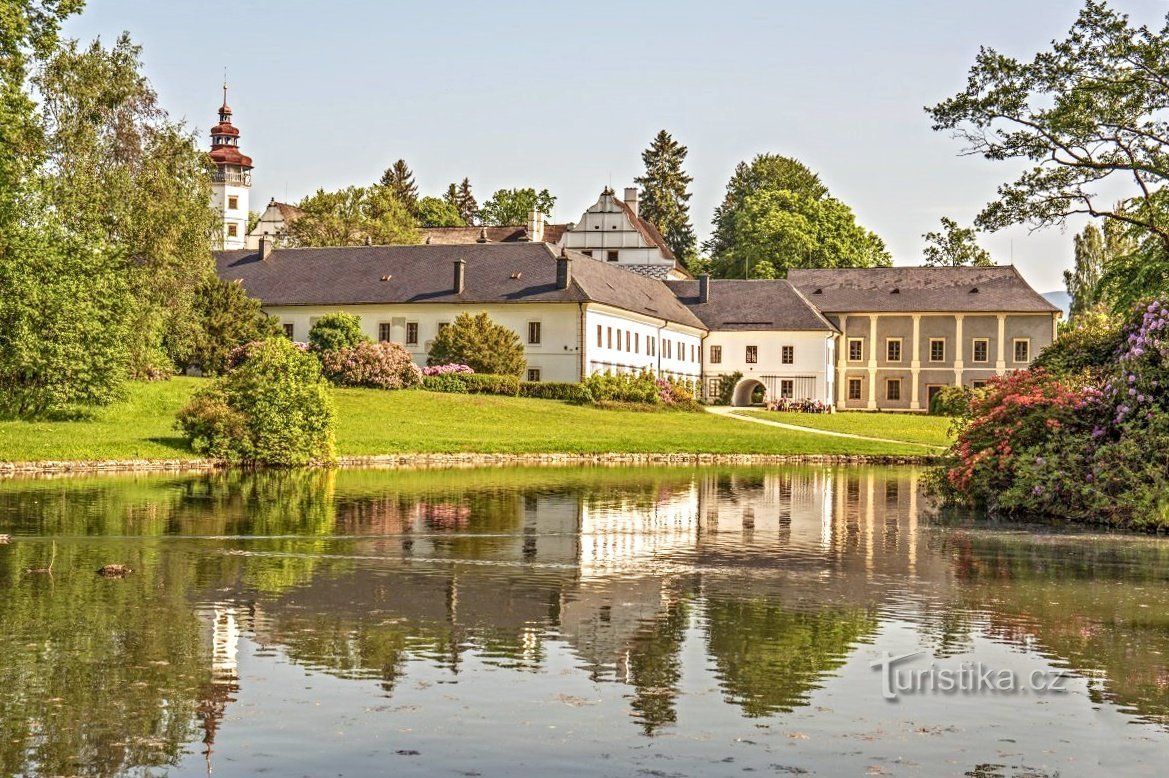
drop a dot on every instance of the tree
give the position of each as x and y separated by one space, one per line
460 197
766 171
335 331
666 197
1099 255
477 341
436 212
780 229
226 317
954 246
1086 113
512 206
400 180
352 217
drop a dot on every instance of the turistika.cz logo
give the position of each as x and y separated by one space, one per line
899 680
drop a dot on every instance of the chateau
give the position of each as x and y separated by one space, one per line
607 294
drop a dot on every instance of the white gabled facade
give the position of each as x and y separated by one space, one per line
810 374
618 341
612 231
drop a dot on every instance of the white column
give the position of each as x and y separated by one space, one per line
872 361
958 363
915 364
1000 365
842 366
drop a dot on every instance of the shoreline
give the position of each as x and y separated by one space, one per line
457 460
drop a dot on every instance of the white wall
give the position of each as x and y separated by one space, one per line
605 227
272 225
220 194
557 356
813 357
639 332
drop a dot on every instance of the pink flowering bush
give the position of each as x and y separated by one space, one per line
446 369
373 365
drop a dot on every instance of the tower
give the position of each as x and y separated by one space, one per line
232 180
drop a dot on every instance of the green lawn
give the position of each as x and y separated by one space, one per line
377 422
909 427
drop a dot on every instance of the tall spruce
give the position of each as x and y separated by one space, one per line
400 180
459 195
665 199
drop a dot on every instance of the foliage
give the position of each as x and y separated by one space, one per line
399 179
336 331
472 383
353 216
374 365
512 206
436 212
1096 252
1087 112
726 388
65 315
1089 343
954 246
555 390
226 317
665 195
643 388
460 198
451 368
777 214
272 409
951 401
477 341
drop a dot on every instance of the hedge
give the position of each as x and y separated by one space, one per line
555 390
472 383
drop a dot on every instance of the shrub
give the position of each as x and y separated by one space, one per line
273 409
443 369
554 390
482 344
373 365
951 401
335 331
1089 344
726 388
225 318
623 387
472 383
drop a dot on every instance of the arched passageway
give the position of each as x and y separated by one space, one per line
744 391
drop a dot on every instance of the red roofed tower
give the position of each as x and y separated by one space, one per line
232 180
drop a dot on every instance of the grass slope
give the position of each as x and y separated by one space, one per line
908 427
377 422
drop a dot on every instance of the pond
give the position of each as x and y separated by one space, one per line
587 621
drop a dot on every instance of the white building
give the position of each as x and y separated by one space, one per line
612 231
575 316
231 182
273 224
768 332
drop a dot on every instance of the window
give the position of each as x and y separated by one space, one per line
716 355
893 389
600 341
1022 350
978 384
752 354
534 333
637 343
609 337
533 374
893 349
232 230
618 340
383 331
787 355
289 331
442 325
856 349
693 353
669 346
937 349
611 256
787 388
233 203
411 333
854 388
981 350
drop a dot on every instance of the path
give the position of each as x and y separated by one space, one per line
729 412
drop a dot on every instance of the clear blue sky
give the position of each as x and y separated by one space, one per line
566 95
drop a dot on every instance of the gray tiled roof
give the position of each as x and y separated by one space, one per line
924 289
494 273
751 305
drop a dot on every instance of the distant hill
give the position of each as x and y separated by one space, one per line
1060 298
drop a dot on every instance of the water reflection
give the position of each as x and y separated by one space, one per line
657 583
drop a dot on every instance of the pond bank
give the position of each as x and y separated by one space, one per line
412 461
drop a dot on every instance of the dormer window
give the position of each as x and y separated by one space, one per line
895 291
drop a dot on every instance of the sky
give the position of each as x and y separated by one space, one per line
567 95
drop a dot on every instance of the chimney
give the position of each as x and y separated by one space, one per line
536 226
460 276
266 246
704 288
632 201
563 271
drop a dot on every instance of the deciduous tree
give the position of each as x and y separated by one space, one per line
954 246
477 341
436 212
512 206
352 217
665 198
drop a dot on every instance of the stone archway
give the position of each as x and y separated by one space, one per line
743 391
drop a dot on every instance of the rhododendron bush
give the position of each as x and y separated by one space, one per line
374 365
1036 442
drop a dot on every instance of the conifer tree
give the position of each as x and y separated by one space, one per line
665 199
400 180
464 202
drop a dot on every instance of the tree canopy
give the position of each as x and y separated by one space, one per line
400 180
777 214
512 206
459 196
352 217
954 246
479 342
437 212
1083 117
665 196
